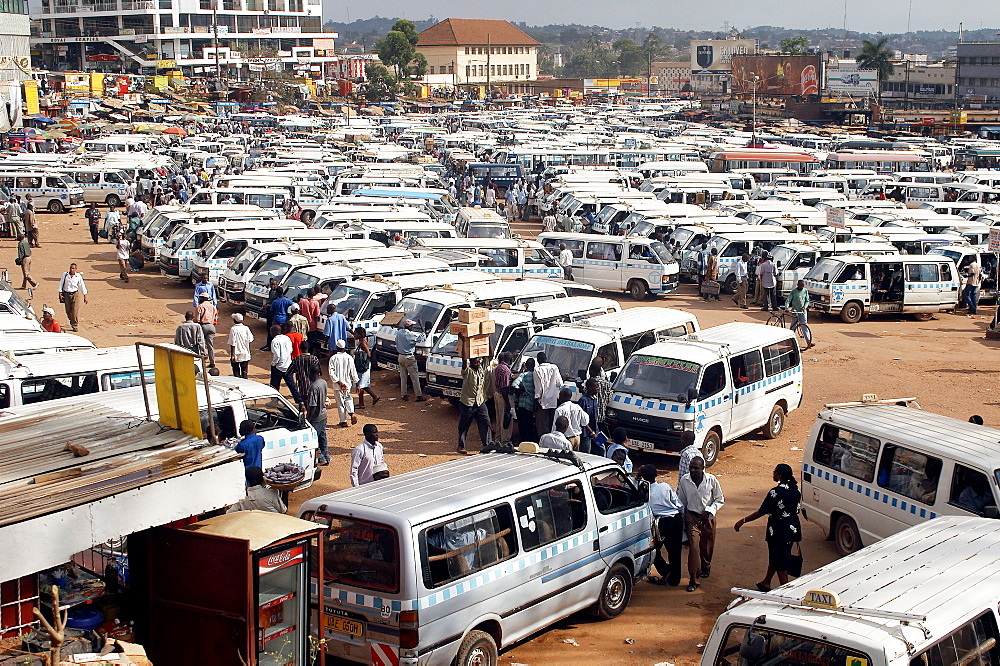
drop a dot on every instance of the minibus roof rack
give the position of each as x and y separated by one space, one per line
873 399
566 457
847 610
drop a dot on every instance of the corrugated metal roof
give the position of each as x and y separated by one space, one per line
39 476
461 32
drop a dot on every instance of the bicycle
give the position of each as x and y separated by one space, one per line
800 328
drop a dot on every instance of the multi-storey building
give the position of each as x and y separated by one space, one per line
144 36
479 52
978 72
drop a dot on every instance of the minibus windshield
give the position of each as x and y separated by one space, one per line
272 268
656 377
244 260
568 355
825 270
348 300
447 344
420 311
662 253
774 647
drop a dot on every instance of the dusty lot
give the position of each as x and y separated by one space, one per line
945 362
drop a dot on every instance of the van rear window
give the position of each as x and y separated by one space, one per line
468 544
359 553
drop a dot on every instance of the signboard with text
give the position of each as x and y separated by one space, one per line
716 55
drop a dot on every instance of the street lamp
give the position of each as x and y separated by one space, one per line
753 129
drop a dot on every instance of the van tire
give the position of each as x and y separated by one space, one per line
729 286
307 217
851 313
113 200
56 206
478 649
775 422
637 289
846 536
923 316
710 447
615 593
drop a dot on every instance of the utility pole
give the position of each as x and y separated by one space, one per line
215 39
489 49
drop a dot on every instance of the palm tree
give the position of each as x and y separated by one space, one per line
874 55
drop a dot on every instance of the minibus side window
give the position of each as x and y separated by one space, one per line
713 381
781 648
225 422
550 514
4 396
849 452
851 272
86 177
780 356
909 473
604 251
51 388
746 368
127 379
468 544
613 492
973 644
609 354
574 246
970 490
922 273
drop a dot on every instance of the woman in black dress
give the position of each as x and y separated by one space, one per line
781 506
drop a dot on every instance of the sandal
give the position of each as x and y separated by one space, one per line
692 587
656 580
763 587
375 401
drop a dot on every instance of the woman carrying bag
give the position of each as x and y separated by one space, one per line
781 506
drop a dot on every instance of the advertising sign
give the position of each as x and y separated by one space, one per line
835 218
776 75
716 55
846 79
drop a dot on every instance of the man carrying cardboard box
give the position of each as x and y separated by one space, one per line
477 389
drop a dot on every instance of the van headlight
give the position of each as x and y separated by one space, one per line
611 413
431 377
679 425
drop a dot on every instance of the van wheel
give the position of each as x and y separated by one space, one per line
55 206
729 286
113 200
775 422
851 314
710 448
307 217
846 535
923 316
615 593
637 289
477 649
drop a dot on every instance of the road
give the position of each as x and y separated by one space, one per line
944 362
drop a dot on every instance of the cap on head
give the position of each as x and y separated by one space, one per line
237 317
203 297
49 311
341 344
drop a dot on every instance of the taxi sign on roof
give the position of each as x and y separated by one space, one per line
822 599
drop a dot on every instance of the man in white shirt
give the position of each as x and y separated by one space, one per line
768 276
71 287
701 495
239 341
742 281
688 453
366 456
548 382
973 279
112 223
281 359
549 222
343 376
576 418
565 259
668 512
557 440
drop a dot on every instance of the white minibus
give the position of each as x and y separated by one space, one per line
224 246
451 563
53 191
481 223
720 383
507 258
176 256
924 597
875 467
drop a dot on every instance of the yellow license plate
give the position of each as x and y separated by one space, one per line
345 625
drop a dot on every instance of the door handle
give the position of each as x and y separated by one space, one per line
725 397
603 530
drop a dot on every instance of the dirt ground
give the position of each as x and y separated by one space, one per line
945 363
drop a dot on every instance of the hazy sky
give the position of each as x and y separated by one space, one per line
887 16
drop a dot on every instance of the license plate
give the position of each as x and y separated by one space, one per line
452 393
390 366
345 626
252 314
641 444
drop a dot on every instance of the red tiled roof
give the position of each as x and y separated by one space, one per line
461 32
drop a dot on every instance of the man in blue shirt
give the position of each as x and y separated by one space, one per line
406 344
205 287
277 313
335 327
669 515
251 446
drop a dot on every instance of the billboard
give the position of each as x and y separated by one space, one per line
776 75
846 79
715 55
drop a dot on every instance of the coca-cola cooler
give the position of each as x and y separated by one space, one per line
233 589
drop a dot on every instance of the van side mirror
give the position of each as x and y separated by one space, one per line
612 377
826 277
692 394
752 646
582 374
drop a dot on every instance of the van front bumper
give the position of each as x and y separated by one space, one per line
646 433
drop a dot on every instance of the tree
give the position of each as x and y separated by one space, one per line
874 55
398 48
795 46
631 57
380 84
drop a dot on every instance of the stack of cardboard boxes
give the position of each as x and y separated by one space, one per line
473 329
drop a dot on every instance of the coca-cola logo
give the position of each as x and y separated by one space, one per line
279 558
